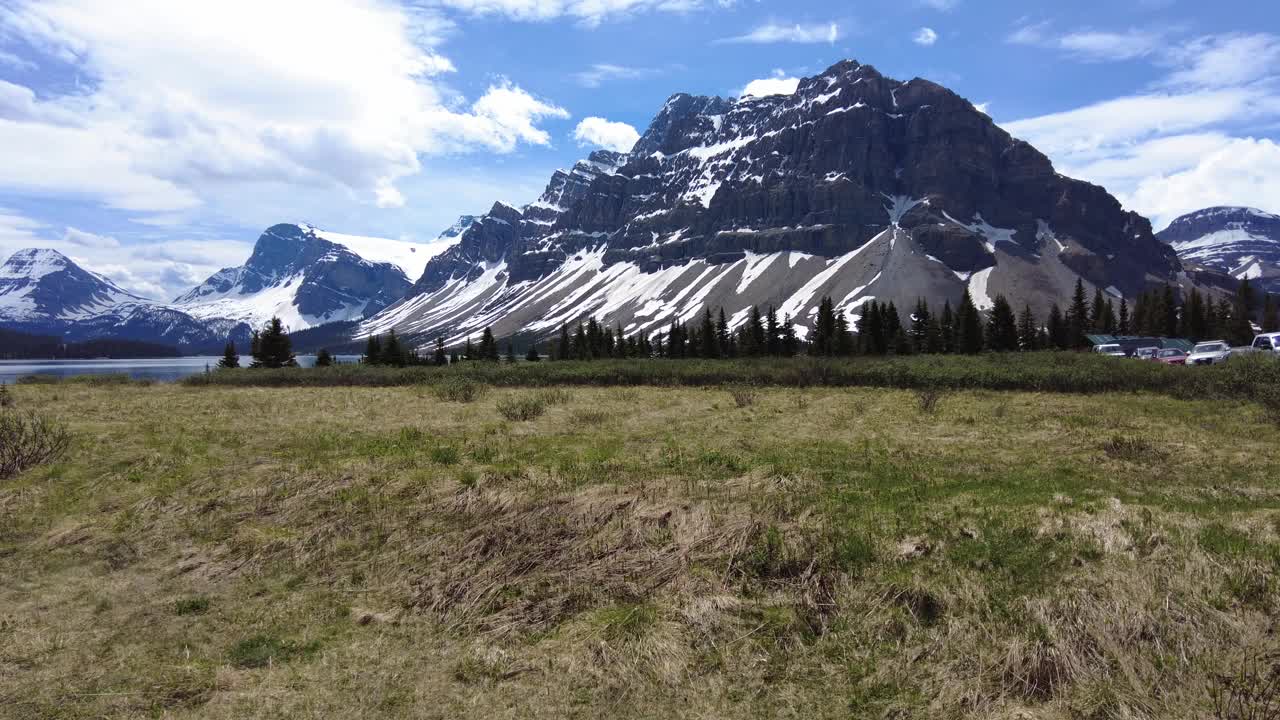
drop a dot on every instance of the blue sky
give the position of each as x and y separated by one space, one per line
155 144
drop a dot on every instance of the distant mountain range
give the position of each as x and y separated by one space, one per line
1241 242
856 187
305 276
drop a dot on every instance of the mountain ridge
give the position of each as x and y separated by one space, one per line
855 186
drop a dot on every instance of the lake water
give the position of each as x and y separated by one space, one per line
164 369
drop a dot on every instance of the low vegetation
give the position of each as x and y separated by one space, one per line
27 440
225 550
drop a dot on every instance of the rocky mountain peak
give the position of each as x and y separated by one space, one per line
1242 242
855 186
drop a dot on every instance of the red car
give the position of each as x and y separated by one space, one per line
1171 356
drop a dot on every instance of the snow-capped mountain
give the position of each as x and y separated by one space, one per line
44 292
307 277
855 186
1242 242
41 285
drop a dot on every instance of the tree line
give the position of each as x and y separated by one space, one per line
879 329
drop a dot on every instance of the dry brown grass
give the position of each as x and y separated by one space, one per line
244 553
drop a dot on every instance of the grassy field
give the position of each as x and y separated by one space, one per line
461 550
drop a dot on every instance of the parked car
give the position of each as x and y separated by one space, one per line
1209 353
1146 353
1171 356
1266 342
1112 349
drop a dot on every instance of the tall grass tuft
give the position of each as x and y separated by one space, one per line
27 440
521 409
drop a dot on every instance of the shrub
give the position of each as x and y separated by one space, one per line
743 395
1132 449
928 399
554 396
27 440
262 650
459 390
520 409
198 605
6 399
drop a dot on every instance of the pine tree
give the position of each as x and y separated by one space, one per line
274 349
453 358
1056 327
773 337
372 351
1028 333
564 349
1108 318
920 326
1123 325
824 329
790 344
488 349
707 336
1170 318
230 358
581 347
532 355
724 345
324 358
947 328
1078 317
511 353
468 350
1270 314
1002 327
968 327
1097 321
440 358
892 327
393 352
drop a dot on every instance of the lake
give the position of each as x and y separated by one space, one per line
164 369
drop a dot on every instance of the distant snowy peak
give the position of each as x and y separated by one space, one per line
45 285
1243 242
309 277
453 233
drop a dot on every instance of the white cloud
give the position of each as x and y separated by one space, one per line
1242 171
943 5
782 33
1188 141
596 131
1225 60
184 100
588 12
925 36
600 73
776 85
1111 46
81 238
1092 45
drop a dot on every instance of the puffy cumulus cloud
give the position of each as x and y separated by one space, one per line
17 231
183 100
925 36
598 132
588 12
779 84
1187 141
1240 171
788 33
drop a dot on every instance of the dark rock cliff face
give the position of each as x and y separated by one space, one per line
821 172
1236 241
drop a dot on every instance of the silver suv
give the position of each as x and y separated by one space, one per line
1209 353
